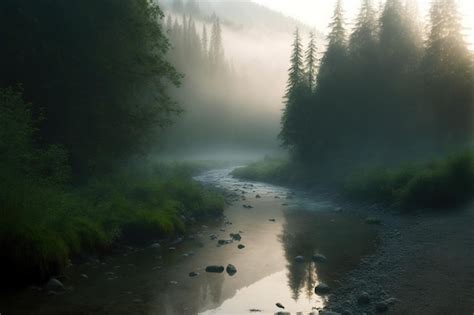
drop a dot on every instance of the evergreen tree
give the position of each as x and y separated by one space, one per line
335 54
363 40
296 78
205 44
216 49
311 62
448 74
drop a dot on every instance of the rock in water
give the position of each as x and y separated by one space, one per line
258 196
280 305
156 246
215 269
320 258
231 270
299 259
363 298
236 236
193 274
322 289
54 285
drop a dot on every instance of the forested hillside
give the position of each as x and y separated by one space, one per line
222 47
385 91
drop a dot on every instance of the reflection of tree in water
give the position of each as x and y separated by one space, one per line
300 275
342 239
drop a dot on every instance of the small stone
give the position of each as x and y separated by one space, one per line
213 237
322 289
193 274
156 246
258 196
54 285
231 270
280 305
173 282
272 220
363 298
299 259
215 269
240 246
236 236
319 258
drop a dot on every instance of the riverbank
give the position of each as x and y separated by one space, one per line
424 265
45 226
275 226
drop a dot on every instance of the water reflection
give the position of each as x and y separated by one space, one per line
341 238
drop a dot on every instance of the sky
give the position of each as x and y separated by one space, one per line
317 13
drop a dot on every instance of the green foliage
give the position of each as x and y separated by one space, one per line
382 97
439 184
45 221
96 70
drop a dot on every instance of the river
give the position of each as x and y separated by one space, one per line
281 224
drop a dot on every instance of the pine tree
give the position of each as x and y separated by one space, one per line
296 70
296 78
216 49
448 73
311 62
335 55
204 41
363 40
337 36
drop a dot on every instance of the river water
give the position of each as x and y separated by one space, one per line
281 225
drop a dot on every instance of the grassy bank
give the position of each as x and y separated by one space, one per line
47 218
45 225
441 183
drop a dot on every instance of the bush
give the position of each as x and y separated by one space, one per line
438 184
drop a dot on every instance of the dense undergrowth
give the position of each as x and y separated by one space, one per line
442 183
45 220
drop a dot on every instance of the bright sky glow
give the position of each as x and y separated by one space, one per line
318 13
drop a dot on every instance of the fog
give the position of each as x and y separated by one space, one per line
238 107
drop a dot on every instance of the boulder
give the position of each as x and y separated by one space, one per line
279 305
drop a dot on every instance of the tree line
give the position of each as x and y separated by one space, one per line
95 76
384 91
